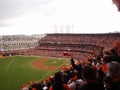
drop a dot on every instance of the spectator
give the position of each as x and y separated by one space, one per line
107 82
89 80
113 69
114 73
78 68
58 84
74 83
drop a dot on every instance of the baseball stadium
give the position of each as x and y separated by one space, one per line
59 45
29 63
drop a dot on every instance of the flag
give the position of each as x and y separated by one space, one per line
66 54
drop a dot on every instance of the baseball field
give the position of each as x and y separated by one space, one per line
17 70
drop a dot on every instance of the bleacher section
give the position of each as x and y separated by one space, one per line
82 46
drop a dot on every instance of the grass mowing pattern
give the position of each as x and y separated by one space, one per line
15 71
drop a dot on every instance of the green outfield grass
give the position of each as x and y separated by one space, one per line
54 62
17 70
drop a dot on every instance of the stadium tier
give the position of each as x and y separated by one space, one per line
53 45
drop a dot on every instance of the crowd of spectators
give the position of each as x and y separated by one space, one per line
93 39
97 73
81 45
98 70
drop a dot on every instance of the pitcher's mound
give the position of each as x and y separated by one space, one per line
39 65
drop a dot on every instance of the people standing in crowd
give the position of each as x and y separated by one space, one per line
74 83
89 78
58 84
78 68
114 73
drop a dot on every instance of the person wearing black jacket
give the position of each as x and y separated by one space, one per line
78 68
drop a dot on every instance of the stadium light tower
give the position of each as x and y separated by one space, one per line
55 28
61 28
67 28
72 27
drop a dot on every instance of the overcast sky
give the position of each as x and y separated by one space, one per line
49 16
